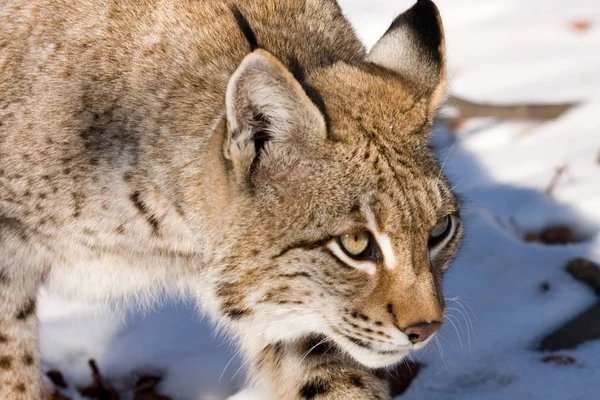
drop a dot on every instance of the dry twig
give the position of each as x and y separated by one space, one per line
560 171
100 389
536 112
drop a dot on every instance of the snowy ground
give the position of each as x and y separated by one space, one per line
501 51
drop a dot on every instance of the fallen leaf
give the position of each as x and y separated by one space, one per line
145 388
553 235
580 25
586 271
57 378
559 359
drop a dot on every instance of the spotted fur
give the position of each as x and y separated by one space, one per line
217 148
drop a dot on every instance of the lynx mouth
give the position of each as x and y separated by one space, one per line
369 355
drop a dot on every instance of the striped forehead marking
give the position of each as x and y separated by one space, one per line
383 240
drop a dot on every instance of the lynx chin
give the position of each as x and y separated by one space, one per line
250 154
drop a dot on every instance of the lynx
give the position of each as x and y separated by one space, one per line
250 154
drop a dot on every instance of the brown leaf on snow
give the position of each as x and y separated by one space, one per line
580 25
553 235
57 379
559 359
586 271
101 389
145 386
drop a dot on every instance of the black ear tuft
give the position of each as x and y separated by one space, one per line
413 47
423 20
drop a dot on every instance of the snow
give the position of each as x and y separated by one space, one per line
499 51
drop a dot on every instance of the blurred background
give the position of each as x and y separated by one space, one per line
520 142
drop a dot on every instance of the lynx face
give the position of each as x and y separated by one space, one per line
344 223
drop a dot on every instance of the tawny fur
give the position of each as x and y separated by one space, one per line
131 160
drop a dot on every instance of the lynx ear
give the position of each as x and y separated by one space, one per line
413 47
270 118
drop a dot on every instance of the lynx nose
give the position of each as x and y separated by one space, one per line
421 332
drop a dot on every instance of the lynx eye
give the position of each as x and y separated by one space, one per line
359 246
440 231
354 244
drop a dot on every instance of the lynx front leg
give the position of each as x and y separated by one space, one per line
312 369
19 360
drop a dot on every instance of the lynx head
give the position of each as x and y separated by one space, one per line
344 224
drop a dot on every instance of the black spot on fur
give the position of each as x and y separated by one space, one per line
142 208
296 275
245 28
390 309
28 359
3 277
316 346
277 349
358 342
289 302
234 312
105 136
312 389
153 224
356 381
27 311
20 387
78 199
5 362
4 338
135 199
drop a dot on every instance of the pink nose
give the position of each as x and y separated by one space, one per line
421 332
